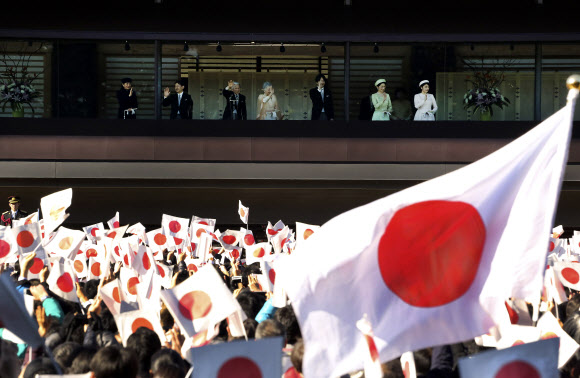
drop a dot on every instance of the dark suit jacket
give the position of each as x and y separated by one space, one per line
231 105
126 102
185 108
317 103
6 218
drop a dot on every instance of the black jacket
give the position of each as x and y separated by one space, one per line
6 218
318 104
231 104
126 102
185 108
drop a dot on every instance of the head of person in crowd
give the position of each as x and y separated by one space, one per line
167 363
381 85
181 276
267 88
39 366
127 83
287 318
236 87
114 362
320 80
145 343
81 364
91 288
250 324
424 85
297 355
9 362
251 302
14 203
166 318
65 353
73 327
270 328
179 86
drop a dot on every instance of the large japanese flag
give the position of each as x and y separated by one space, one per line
114 222
175 227
8 247
65 243
62 279
537 360
241 359
438 259
27 237
54 208
243 212
200 302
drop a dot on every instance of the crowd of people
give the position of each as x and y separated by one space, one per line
378 105
83 336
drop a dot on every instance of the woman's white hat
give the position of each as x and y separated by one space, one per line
379 82
423 82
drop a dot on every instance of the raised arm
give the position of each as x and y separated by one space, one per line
419 100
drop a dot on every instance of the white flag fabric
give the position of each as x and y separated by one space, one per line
17 320
438 259
256 358
512 335
243 212
116 233
166 274
114 222
38 263
91 231
80 266
29 219
273 230
65 243
280 239
139 230
53 209
550 328
230 238
200 302
303 232
258 252
537 359
8 247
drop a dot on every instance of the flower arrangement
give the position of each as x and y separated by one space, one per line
16 86
485 92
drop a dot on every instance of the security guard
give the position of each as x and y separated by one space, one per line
14 212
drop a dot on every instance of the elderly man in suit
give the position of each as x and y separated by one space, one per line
181 102
235 102
14 212
321 100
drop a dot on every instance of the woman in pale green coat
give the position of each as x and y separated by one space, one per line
381 102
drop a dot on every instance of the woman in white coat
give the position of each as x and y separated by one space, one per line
425 103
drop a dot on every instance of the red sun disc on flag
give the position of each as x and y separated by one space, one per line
570 275
141 322
517 369
372 347
174 226
66 243
91 252
4 249
307 233
242 213
552 246
177 241
193 246
28 221
430 252
514 318
126 260
25 239
112 234
239 367
79 266
229 239
200 339
249 239
518 342
65 283
199 232
116 250
161 271
195 304
160 239
192 267
272 231
204 223
235 254
96 269
116 295
132 285
549 335
406 370
260 252
94 231
37 266
146 262
272 276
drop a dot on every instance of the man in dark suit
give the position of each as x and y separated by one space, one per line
321 100
181 102
235 102
13 213
127 100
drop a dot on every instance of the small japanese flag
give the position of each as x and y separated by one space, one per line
193 265
129 322
258 252
233 254
257 359
280 239
65 243
550 328
114 222
166 274
372 361
116 233
29 219
200 302
157 241
247 240
54 208
518 312
557 231
270 275
97 269
113 296
303 232
539 359
62 279
80 266
8 247
27 237
139 230
92 230
273 230
129 283
244 212
40 260
229 238
175 227
198 229
408 365
568 274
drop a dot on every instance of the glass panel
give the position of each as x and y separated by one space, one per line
559 61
